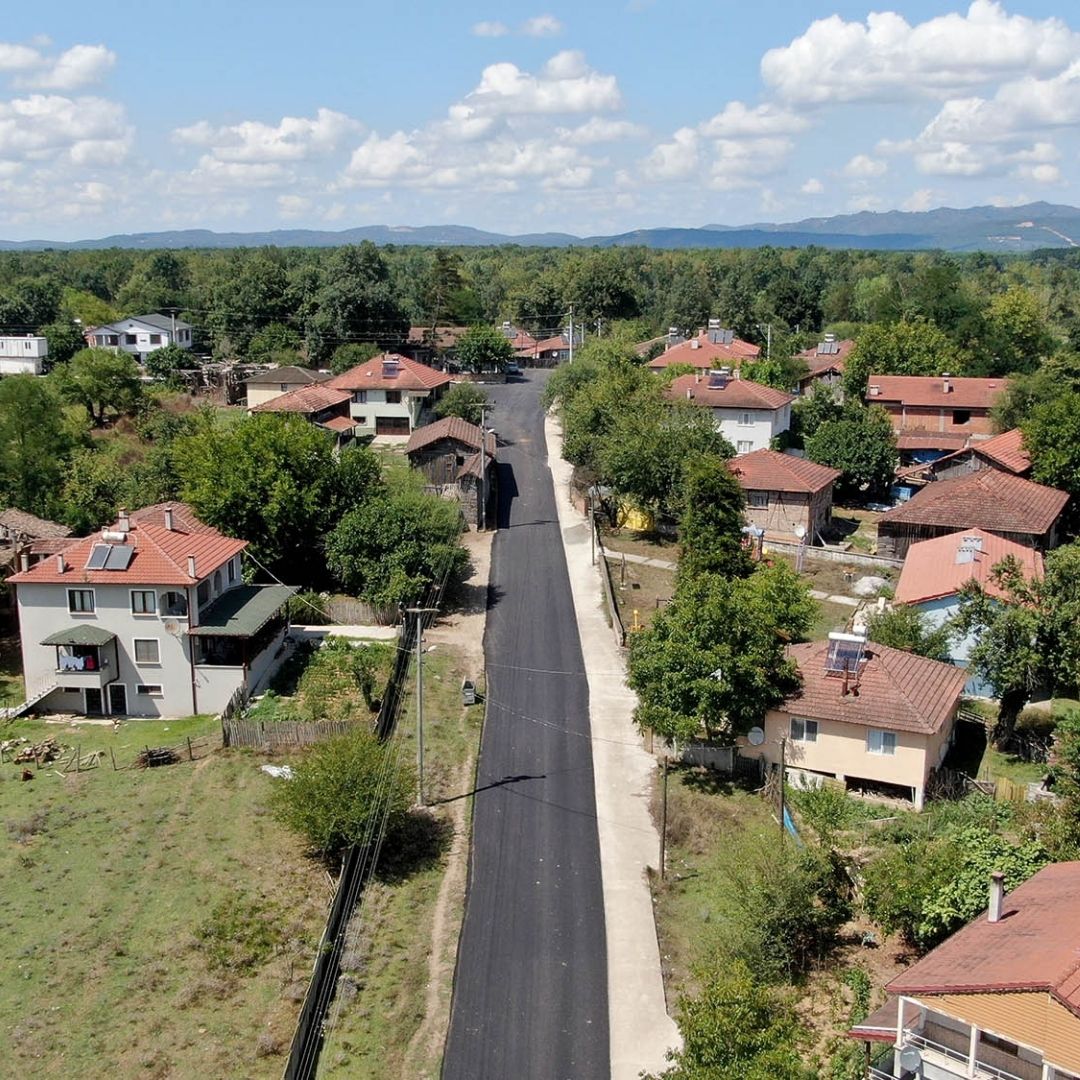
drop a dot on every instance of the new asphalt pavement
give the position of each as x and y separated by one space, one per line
530 993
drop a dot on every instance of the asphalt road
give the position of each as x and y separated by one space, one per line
530 994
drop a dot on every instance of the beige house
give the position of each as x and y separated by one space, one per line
789 497
877 719
271 384
999 1000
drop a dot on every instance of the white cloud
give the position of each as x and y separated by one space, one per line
813 186
600 130
676 159
382 160
920 200
566 84
293 138
293 206
79 66
865 202
863 167
886 58
736 120
18 57
542 26
741 163
85 130
1041 174
490 29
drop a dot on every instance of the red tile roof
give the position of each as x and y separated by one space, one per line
818 363
880 1025
552 344
705 354
736 394
306 400
995 501
450 427
924 391
931 440
1035 946
338 423
160 558
897 690
183 517
932 568
1006 451
411 375
767 470
445 337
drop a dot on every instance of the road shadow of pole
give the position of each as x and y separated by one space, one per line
487 787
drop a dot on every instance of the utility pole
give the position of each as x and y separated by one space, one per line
599 326
768 341
783 770
663 824
420 613
571 333
592 530
483 469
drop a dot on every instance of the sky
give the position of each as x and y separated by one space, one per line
587 118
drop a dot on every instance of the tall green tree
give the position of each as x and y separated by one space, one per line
907 628
862 446
710 530
465 400
102 382
908 347
353 354
483 348
1052 438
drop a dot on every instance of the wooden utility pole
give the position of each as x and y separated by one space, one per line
783 770
420 613
663 824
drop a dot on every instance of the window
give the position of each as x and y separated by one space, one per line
232 570
803 730
143 602
1003 1045
81 601
130 339
203 592
217 582
393 397
744 446
360 397
155 339
174 605
71 689
284 387
961 416
149 690
759 500
745 419
362 420
147 650
881 742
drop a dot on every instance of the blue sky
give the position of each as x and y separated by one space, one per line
585 118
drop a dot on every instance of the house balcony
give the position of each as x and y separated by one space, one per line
940 1062
86 656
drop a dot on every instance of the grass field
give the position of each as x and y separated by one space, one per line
155 922
639 588
394 993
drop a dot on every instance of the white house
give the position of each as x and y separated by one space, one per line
22 354
150 617
747 414
391 394
141 335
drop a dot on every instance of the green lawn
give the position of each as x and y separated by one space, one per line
155 922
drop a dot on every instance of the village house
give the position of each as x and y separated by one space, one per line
268 385
320 404
1004 452
936 571
391 394
150 617
524 344
998 1000
747 414
932 416
141 335
427 344
22 354
997 502
824 364
789 498
714 348
457 460
876 719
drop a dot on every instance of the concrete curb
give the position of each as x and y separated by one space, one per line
641 1032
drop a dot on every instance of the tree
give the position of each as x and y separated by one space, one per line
166 363
735 1028
343 791
36 442
395 544
465 400
907 628
1018 337
352 355
65 340
908 347
1052 438
710 531
1064 832
862 446
483 348
271 341
92 490
779 372
101 381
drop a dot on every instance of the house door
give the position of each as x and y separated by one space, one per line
117 699
93 702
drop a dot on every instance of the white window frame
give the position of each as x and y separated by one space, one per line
152 610
806 732
135 642
359 397
232 571
757 500
154 690
885 742
91 610
744 446
746 419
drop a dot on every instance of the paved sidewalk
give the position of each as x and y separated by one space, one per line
640 1029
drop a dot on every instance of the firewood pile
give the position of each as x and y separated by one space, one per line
23 750
154 756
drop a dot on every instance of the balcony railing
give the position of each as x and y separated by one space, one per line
939 1061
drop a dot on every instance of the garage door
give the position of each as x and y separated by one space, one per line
391 425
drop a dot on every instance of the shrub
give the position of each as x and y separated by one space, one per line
239 936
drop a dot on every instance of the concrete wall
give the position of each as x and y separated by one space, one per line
787 510
366 413
257 395
764 426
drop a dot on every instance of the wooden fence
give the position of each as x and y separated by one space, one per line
267 734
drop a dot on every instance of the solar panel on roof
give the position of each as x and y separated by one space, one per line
119 557
99 555
845 653
828 348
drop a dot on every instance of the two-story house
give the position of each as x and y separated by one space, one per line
747 414
391 394
788 498
268 385
998 1000
150 617
22 354
715 347
319 404
141 335
825 363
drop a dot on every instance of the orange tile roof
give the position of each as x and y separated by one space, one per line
184 517
411 375
306 400
931 440
736 394
932 570
1035 946
449 427
339 423
767 470
706 354
897 690
160 558
929 391
995 501
1006 451
840 350
552 344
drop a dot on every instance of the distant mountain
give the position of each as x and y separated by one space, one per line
980 228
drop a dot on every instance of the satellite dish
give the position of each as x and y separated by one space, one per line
755 736
911 1060
171 626
800 531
